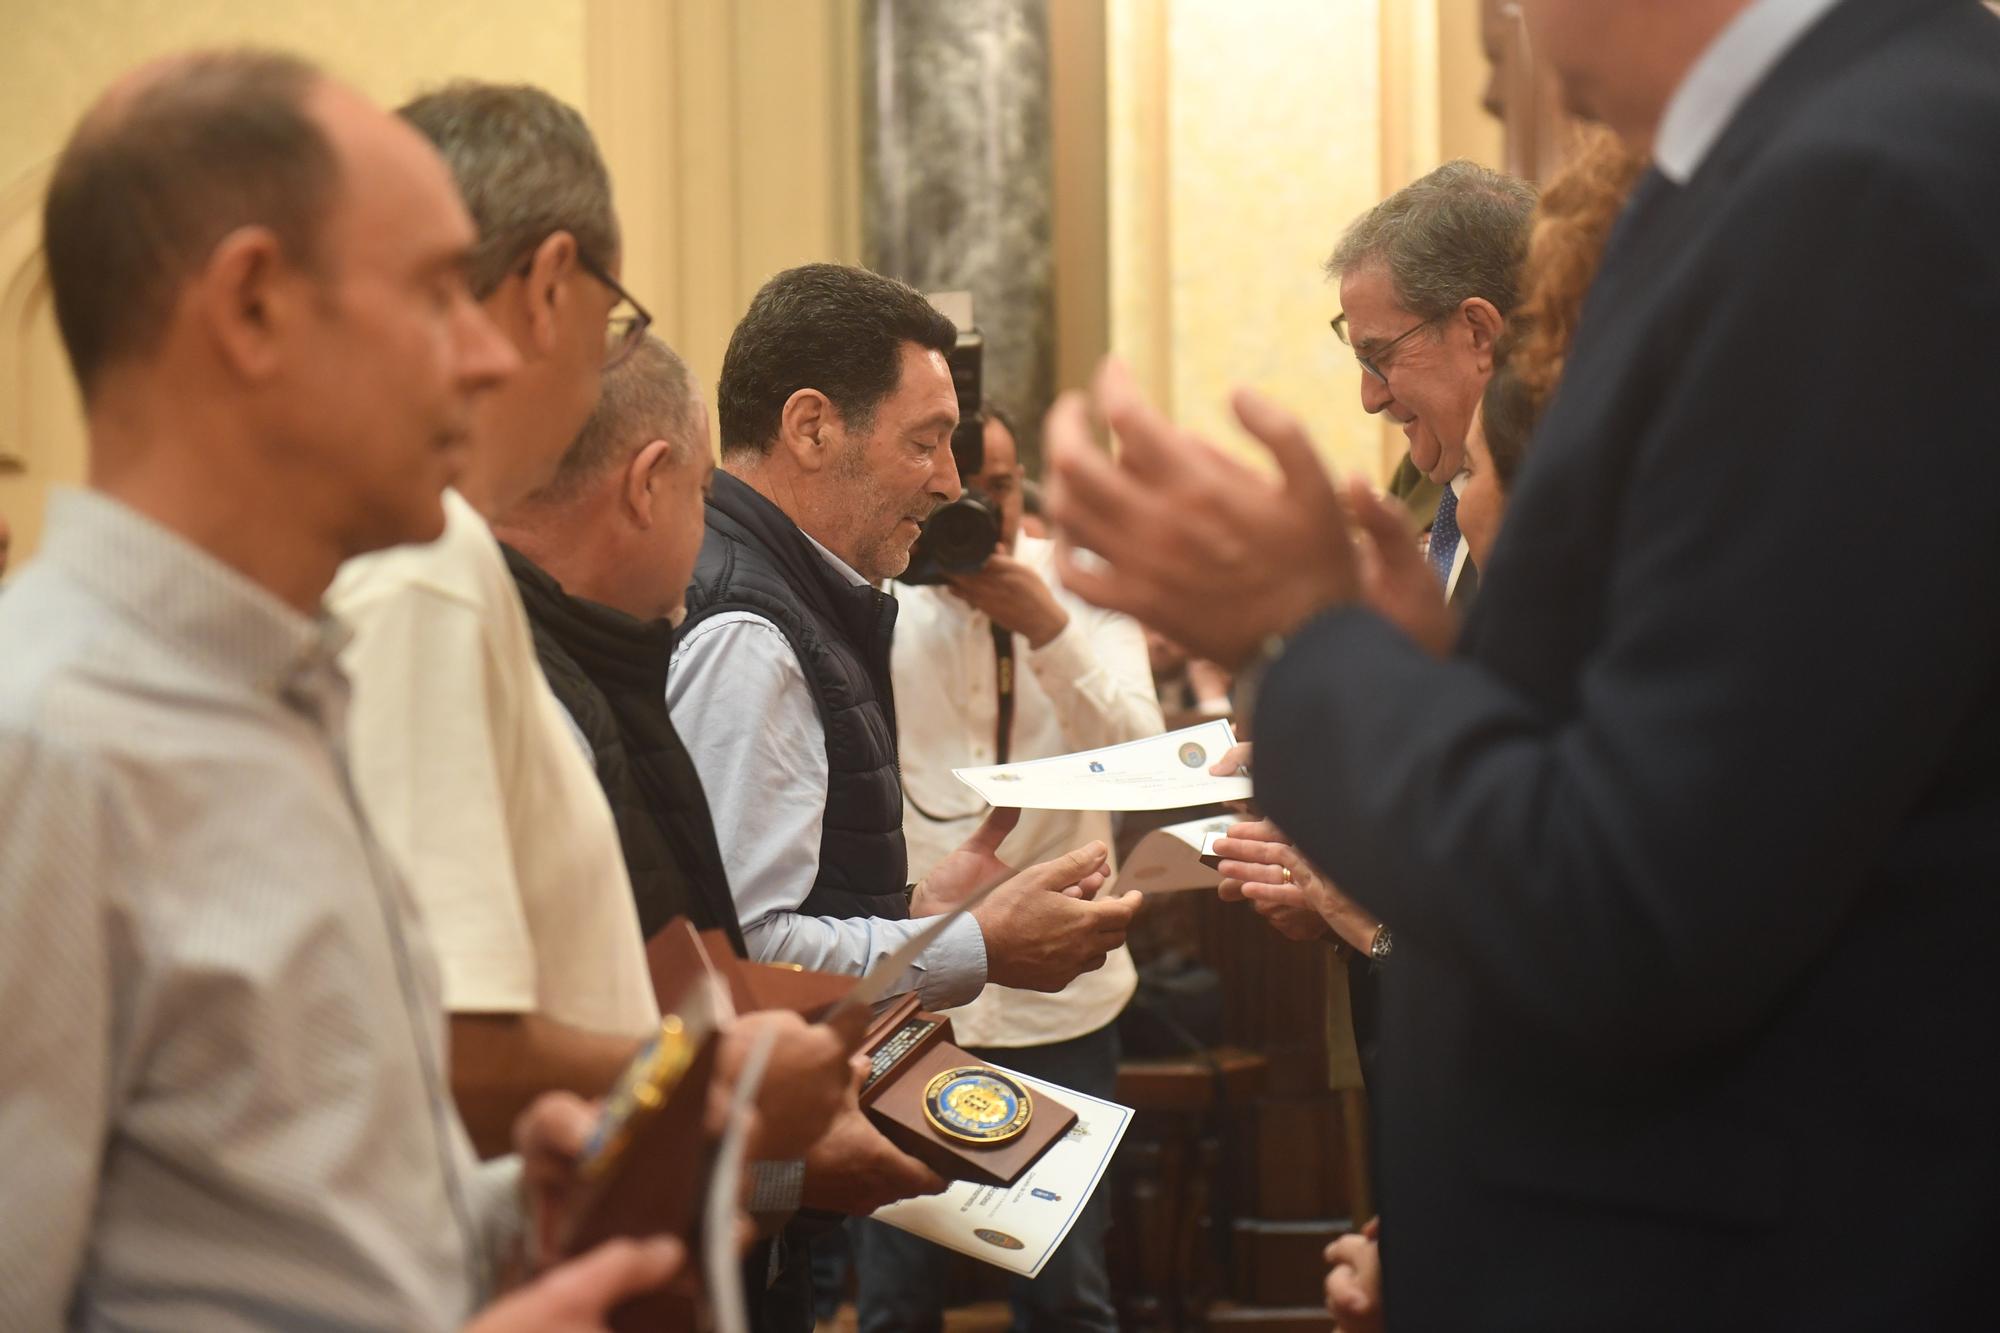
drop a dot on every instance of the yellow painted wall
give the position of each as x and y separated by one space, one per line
1244 135
729 126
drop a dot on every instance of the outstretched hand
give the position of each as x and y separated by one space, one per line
970 867
1043 929
1213 554
1261 866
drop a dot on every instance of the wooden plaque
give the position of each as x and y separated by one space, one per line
909 1048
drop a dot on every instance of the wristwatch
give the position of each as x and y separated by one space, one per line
1380 947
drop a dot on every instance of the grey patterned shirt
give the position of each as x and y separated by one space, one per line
223 1097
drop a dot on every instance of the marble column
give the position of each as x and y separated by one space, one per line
956 176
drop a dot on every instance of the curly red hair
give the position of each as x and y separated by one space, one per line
1566 241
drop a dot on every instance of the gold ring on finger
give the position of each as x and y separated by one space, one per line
1286 871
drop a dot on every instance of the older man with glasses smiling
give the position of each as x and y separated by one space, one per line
466 763
1427 280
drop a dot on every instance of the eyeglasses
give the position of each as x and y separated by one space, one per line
1373 364
625 328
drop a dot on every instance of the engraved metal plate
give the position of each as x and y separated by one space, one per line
900 1043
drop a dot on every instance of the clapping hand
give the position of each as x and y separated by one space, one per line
1212 553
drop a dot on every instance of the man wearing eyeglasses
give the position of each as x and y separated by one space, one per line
465 761
1427 280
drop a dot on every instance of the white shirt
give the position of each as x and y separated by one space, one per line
1089 686
472 777
743 707
225 1094
1725 74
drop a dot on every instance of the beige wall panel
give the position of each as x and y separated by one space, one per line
57 55
1464 127
1267 117
632 99
1078 74
731 129
1140 220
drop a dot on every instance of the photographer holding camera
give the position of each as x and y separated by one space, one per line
993 662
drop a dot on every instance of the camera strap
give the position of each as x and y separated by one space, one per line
1003 672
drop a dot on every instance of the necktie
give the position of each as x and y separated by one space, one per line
1444 536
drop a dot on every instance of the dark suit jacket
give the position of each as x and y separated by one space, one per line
1693 851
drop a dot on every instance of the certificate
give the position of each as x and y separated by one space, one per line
1018 1227
1167 772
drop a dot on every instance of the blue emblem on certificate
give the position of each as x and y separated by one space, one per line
977 1104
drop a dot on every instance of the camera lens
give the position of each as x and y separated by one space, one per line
962 536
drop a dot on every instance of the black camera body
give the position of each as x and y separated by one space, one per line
958 539
961 536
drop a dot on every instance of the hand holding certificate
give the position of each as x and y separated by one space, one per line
1167 772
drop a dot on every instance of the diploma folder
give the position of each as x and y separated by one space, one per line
908 1049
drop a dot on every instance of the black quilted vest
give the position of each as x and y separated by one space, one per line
756 559
610 672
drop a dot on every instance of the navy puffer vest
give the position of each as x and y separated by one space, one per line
756 559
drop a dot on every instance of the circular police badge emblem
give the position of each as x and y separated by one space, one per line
977 1105
1193 755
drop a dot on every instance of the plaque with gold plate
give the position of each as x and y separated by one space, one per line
948 1109
645 1167
907 1049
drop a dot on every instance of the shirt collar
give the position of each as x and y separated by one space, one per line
840 566
185 595
1727 72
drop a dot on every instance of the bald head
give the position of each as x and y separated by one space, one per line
174 157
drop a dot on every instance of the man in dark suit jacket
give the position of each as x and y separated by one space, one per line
1691 849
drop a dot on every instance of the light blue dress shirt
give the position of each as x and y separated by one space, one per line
743 707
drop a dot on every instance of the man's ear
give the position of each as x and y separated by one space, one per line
809 429
544 289
643 476
1487 324
246 298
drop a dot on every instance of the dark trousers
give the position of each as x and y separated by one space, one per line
902 1279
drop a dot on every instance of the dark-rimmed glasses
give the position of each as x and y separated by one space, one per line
1373 363
625 327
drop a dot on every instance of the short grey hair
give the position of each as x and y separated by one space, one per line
1457 233
527 167
648 396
